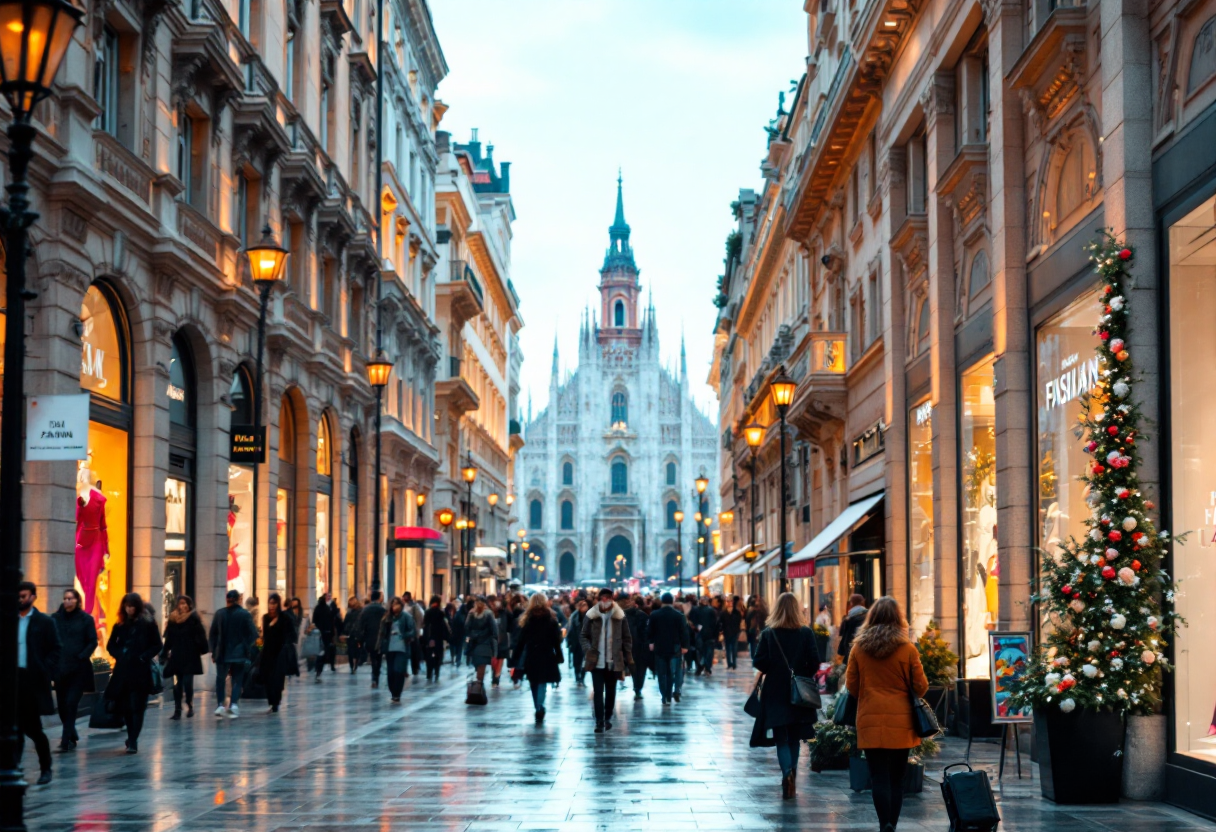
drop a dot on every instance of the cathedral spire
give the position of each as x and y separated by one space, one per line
553 380
620 253
619 220
683 362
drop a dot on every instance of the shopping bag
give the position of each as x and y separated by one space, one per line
105 714
311 648
476 693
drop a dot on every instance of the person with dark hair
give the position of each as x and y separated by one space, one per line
456 622
608 647
636 615
757 615
503 618
233 636
323 620
369 632
852 623
538 650
435 631
300 620
185 644
731 619
415 609
667 634
38 652
74 676
397 635
574 639
481 630
133 644
351 633
704 620
278 658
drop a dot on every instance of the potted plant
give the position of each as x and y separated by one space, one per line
1103 657
914 776
832 746
822 637
940 663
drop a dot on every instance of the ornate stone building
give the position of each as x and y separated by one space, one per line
616 450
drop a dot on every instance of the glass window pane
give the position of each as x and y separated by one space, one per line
980 568
920 515
322 552
101 355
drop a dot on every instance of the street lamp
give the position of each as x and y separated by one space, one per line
510 502
492 499
421 499
469 474
678 516
782 388
754 434
34 36
378 371
445 516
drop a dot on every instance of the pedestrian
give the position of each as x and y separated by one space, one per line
335 612
732 622
415 609
74 676
574 635
295 608
502 617
884 670
323 622
232 638
757 615
38 654
435 632
134 643
686 604
277 660
481 633
705 624
370 618
635 614
667 636
397 635
538 650
185 644
608 651
351 629
853 620
786 649
456 623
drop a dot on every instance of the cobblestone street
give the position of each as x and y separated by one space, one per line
339 756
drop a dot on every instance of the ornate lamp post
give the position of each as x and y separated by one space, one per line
678 516
510 502
782 388
492 499
462 526
34 37
469 474
378 371
445 516
702 483
754 434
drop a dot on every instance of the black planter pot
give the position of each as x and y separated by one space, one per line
1080 755
834 764
859 777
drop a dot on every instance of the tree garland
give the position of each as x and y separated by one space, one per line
1106 648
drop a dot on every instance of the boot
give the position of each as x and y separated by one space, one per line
189 710
787 787
177 713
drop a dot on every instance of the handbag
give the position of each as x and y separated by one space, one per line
475 694
105 714
158 679
845 713
311 647
924 720
753 707
804 691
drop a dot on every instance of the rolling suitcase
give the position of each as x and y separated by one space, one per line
969 800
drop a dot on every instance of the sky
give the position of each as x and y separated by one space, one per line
674 93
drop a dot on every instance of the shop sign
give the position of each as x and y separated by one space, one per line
247 444
57 427
1076 377
924 413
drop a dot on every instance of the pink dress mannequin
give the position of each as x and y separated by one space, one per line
92 543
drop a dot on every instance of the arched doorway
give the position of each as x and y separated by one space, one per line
671 566
326 574
618 560
566 568
179 484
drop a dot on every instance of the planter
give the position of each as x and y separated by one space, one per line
821 644
859 776
101 678
834 764
1080 755
1144 758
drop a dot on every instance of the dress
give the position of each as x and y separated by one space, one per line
92 543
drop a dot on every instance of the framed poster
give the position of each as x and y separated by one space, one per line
1009 653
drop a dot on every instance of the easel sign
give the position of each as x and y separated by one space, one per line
1009 655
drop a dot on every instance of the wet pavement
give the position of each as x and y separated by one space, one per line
340 756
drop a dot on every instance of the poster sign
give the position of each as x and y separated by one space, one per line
1009 655
247 444
57 427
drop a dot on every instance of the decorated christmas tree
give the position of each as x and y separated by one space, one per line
1105 642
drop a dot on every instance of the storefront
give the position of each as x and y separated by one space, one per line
920 600
323 556
242 558
181 393
285 503
979 570
352 515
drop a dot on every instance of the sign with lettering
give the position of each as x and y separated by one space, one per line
57 427
1076 377
247 444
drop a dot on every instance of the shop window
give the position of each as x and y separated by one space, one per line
101 358
324 451
179 485
1192 415
980 568
620 477
920 516
567 515
922 327
535 514
282 537
240 492
325 572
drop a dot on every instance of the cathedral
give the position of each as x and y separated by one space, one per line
615 453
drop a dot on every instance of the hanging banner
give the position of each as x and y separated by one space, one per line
247 444
57 427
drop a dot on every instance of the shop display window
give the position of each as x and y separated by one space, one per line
980 568
1192 415
920 516
282 537
322 552
101 350
240 528
351 517
101 525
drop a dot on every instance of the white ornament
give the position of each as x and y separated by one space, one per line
1052 679
1129 524
1095 534
1152 622
1068 705
1116 302
1112 457
1116 663
1121 389
1112 553
1094 646
1118 621
1089 670
1148 657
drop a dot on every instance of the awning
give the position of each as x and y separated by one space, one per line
417 537
719 566
768 558
489 553
849 519
739 567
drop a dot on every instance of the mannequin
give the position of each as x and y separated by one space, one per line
92 538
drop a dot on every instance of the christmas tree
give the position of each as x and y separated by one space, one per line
1106 639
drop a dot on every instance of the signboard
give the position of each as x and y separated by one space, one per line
57 427
1009 654
801 569
247 444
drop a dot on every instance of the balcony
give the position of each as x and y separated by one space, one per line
821 399
461 293
123 166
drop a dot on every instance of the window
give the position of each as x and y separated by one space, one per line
620 477
1070 192
917 162
241 220
671 473
875 307
324 454
567 473
289 72
979 274
618 314
185 150
244 14
672 508
105 81
535 514
872 153
620 410
855 194
922 327
325 105
567 515
977 446
920 515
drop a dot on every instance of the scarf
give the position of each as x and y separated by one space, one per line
605 660
178 617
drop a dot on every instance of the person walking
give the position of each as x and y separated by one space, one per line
38 654
705 623
278 658
786 649
415 609
851 624
233 635
435 631
397 635
757 615
133 644
667 637
323 622
370 618
295 608
884 669
732 622
503 618
456 623
350 633
635 614
574 635
184 645
74 676
481 633
608 649
538 650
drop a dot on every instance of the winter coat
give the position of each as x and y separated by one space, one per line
637 618
351 628
369 625
880 685
42 658
77 640
233 635
405 626
574 629
755 620
667 632
278 656
323 620
732 623
456 622
798 647
185 643
620 651
540 647
133 646
435 628
481 631
504 621
848 629
705 621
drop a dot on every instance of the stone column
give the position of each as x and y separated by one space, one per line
895 355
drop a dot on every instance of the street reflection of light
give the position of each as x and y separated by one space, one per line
219 798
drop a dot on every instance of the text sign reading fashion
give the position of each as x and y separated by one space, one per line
57 427
1077 377
248 444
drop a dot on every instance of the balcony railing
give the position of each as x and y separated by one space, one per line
828 351
462 272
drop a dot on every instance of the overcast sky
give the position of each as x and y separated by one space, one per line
674 92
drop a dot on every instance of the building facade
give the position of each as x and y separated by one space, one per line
615 452
915 259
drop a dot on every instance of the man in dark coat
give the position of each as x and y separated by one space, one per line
852 622
636 616
705 621
78 639
231 640
324 621
37 663
667 635
369 632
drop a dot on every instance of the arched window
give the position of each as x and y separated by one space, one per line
240 394
922 327
620 477
672 507
980 275
566 567
620 410
324 452
534 514
567 514
618 314
671 473
567 473
1070 192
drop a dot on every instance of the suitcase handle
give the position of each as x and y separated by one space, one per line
946 770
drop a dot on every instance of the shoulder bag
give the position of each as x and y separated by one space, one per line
804 692
845 712
752 707
924 720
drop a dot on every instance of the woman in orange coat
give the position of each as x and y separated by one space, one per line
884 666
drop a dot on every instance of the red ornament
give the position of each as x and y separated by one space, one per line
1078 595
1098 469
1091 447
1066 589
1115 535
1101 561
1137 535
1114 654
1126 254
1148 504
1105 336
1065 684
1105 521
1108 572
1106 309
1136 565
1123 494
1113 430
1136 548
1108 288
1130 440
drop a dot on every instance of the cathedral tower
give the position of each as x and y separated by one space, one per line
619 287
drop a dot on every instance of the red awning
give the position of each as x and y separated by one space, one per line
417 537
